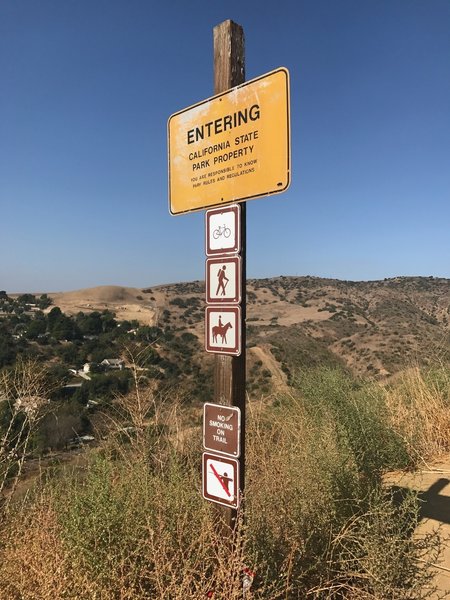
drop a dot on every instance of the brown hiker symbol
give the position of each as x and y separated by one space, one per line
221 330
223 280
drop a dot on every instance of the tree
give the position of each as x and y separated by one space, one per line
108 321
26 299
53 316
44 302
7 348
36 328
69 353
62 327
57 428
89 324
24 391
58 375
148 334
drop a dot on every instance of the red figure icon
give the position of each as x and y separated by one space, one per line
226 482
221 330
223 280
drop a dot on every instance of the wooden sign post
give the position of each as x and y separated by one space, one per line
229 371
224 151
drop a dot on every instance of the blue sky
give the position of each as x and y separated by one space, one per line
87 87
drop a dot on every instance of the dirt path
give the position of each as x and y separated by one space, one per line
433 485
263 353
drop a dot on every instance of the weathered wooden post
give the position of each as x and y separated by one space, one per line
223 151
229 371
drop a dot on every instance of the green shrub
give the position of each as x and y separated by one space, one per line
359 411
315 512
315 520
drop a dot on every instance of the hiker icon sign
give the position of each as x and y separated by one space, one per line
221 480
223 330
223 280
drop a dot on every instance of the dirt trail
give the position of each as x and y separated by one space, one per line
433 485
263 353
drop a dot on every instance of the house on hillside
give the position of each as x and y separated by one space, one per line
113 363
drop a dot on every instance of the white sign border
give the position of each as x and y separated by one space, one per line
237 350
219 259
220 251
230 460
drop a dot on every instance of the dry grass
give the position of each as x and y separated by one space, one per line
314 524
139 540
34 563
419 409
24 392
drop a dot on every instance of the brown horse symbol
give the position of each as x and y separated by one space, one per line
222 331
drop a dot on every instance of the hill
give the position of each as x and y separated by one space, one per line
373 328
126 302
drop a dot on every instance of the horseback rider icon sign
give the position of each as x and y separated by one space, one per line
222 331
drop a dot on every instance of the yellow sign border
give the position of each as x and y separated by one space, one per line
285 161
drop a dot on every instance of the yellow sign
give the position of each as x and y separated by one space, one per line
232 147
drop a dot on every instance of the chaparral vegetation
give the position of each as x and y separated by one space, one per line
101 443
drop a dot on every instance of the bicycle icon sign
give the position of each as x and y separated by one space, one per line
223 230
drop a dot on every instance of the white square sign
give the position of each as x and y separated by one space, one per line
223 329
221 480
223 230
223 280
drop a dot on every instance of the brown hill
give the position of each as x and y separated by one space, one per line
126 302
374 328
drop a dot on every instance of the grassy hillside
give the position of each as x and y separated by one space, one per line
375 328
129 521
125 519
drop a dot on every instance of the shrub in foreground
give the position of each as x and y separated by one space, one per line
316 522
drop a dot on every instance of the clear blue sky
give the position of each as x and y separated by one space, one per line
86 87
